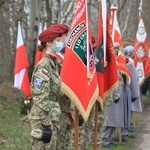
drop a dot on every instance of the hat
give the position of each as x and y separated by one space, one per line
128 50
63 27
116 45
50 34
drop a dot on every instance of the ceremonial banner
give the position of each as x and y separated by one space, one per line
99 59
78 73
110 70
21 80
141 46
105 64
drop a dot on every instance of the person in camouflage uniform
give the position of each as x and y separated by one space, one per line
103 118
45 86
64 134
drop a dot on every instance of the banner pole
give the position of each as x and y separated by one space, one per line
76 129
96 125
134 118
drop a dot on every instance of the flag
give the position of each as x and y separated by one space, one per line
110 70
141 46
39 54
116 33
45 26
106 67
21 80
116 38
78 73
99 59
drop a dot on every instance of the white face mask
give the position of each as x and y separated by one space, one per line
58 47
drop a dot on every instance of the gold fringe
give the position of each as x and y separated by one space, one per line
101 102
144 79
111 89
73 97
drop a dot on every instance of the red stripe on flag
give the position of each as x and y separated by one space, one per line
70 117
21 59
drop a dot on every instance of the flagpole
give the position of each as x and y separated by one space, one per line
104 13
113 18
76 129
140 16
96 125
97 103
87 41
140 9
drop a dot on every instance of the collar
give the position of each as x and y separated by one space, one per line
52 57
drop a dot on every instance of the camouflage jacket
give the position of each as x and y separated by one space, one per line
45 87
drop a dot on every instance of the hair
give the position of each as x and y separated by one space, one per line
42 46
127 42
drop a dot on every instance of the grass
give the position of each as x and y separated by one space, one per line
15 133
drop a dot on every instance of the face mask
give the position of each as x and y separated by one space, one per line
58 47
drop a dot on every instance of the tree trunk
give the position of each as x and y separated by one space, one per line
32 33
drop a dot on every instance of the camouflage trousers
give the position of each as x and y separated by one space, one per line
85 134
103 117
86 138
37 143
64 134
36 133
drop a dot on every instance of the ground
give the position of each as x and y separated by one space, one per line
15 133
142 141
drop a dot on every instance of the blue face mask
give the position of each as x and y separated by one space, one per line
58 47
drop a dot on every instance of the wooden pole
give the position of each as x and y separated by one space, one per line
76 129
96 125
119 134
134 118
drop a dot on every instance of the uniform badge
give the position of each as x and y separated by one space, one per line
37 83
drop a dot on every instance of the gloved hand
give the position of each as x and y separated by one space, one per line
47 133
81 121
116 100
133 99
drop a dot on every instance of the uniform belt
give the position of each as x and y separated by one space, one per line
53 98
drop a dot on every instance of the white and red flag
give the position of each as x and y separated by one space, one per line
116 38
116 33
21 79
141 46
39 54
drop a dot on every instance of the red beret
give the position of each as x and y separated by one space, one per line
50 34
63 27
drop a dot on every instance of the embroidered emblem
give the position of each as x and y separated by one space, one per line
37 83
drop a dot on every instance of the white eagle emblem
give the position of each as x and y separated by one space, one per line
140 52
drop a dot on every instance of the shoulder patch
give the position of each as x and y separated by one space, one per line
37 83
